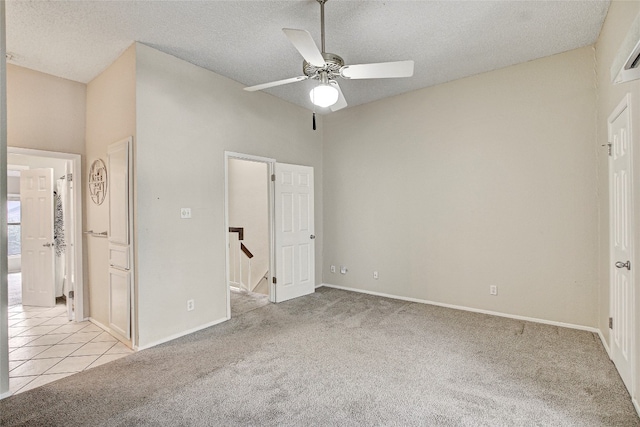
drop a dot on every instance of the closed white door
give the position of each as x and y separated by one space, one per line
120 254
38 274
119 297
294 232
621 232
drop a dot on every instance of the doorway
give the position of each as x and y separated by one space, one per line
290 218
66 281
249 232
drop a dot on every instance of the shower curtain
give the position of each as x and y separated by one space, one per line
60 199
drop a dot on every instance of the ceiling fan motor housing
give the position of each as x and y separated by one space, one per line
333 64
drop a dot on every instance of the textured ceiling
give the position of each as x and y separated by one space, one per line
243 40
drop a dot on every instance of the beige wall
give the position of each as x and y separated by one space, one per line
488 180
248 208
621 15
186 118
45 112
111 117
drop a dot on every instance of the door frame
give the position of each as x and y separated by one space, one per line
228 155
76 163
624 104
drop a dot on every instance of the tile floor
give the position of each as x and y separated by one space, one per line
45 346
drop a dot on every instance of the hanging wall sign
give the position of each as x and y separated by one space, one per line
98 181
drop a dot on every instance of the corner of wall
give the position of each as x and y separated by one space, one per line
110 117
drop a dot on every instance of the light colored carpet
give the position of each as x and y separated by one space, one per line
243 301
340 358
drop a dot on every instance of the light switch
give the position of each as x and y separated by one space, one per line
185 213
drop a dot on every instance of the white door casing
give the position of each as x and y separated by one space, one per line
69 239
270 167
621 238
294 231
119 188
38 252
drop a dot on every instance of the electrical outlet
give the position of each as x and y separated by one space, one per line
493 290
343 269
190 305
333 268
375 275
185 213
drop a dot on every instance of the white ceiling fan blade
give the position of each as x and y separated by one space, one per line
302 40
341 103
380 70
277 83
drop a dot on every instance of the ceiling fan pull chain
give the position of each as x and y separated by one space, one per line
313 99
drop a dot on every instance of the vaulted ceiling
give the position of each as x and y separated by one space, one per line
243 40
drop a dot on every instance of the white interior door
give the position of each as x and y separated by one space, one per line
120 262
294 232
621 235
38 274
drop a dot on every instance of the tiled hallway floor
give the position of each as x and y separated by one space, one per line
45 346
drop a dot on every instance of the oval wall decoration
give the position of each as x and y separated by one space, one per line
98 181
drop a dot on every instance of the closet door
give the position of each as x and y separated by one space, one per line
120 213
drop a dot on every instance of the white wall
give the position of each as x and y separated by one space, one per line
488 180
619 18
111 117
249 208
45 112
187 117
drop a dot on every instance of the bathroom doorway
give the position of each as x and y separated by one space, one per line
66 246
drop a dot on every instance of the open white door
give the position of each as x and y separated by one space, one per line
38 274
294 232
621 238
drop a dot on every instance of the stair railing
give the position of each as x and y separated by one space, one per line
237 252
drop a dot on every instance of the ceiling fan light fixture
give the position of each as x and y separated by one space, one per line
324 95
326 67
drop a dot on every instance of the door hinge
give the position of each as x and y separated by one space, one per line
273 177
70 294
610 322
275 281
608 147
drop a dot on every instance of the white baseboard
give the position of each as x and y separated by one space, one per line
473 310
320 285
181 334
636 405
604 343
5 395
110 331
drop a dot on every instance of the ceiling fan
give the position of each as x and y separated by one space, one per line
326 67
